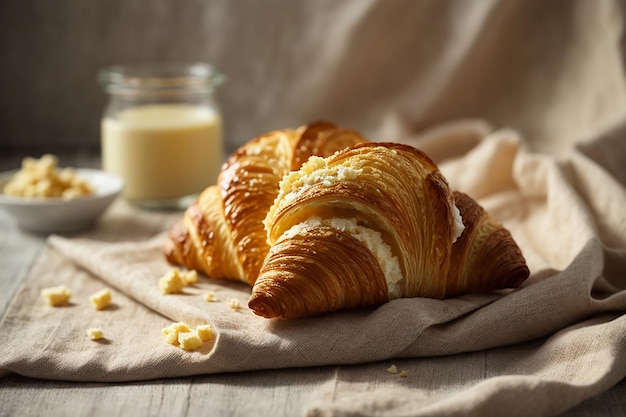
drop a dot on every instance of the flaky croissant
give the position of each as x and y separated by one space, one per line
372 223
222 234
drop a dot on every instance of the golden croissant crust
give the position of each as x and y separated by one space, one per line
372 223
222 234
485 257
317 219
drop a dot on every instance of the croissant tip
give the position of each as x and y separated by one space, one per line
260 304
518 278
168 250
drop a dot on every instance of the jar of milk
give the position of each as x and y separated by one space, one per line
162 131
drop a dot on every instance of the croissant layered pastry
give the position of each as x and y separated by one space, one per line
222 233
372 223
318 219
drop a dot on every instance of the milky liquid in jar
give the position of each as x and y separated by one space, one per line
161 131
163 151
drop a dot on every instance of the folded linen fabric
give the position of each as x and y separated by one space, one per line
567 216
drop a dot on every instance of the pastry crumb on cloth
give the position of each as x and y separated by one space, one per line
101 299
57 296
94 333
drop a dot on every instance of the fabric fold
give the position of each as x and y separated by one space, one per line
540 380
403 328
566 215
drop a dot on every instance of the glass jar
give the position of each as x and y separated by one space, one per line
161 131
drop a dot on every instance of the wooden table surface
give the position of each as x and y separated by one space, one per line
268 393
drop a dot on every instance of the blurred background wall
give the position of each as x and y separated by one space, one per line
551 69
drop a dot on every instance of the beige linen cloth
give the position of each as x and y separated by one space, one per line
568 216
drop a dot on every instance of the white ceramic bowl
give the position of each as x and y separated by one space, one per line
50 215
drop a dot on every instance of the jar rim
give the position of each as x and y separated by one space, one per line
160 77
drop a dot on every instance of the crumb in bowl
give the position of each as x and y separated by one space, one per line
41 178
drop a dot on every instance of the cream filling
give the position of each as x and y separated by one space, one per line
372 239
458 226
316 170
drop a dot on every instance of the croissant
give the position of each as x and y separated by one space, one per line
373 223
222 233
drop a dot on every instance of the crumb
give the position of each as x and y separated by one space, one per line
171 338
403 374
189 277
171 332
94 333
171 283
174 281
41 178
189 340
392 369
234 304
101 299
204 332
209 297
181 335
57 296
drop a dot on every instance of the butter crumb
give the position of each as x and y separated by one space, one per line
189 340
181 335
171 332
190 277
171 338
57 296
204 331
101 299
174 281
392 369
234 304
94 333
176 327
171 283
42 178
209 297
